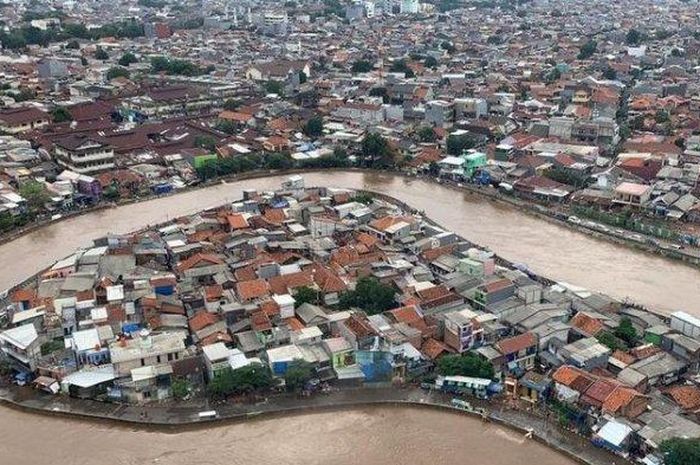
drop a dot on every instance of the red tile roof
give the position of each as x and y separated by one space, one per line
202 319
236 221
432 348
687 397
248 290
198 260
517 343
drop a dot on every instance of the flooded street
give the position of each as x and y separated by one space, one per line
365 436
551 250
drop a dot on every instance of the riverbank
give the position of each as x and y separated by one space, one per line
176 418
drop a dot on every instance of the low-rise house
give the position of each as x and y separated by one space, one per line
16 120
659 369
635 195
585 353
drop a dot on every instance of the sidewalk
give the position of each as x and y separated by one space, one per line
572 445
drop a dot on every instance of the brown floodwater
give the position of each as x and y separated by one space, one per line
377 436
549 249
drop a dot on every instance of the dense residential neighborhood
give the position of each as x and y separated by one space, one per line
598 122
587 113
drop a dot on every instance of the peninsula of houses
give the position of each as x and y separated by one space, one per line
308 289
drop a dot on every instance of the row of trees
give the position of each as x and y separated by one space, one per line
28 35
177 67
256 378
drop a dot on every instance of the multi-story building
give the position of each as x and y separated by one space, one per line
146 350
83 154
519 352
462 331
21 346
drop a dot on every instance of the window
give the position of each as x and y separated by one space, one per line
158 359
143 362
170 357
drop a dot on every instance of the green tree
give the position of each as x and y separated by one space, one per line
298 374
376 152
227 126
304 295
314 127
117 71
400 66
662 116
370 295
430 62
73 45
24 94
278 161
36 195
101 54
303 77
610 73
458 143
588 50
247 379
627 332
609 340
361 66
231 104
681 451
205 142
467 364
448 46
274 87
380 92
553 75
176 67
427 134
181 388
60 115
127 59
633 37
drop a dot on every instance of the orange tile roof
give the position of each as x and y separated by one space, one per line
381 224
433 348
586 324
237 221
688 397
218 336
282 284
213 292
202 319
619 398
248 290
270 308
433 254
516 343
259 321
197 259
294 324
275 215
566 375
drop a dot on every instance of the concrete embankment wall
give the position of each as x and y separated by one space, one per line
593 456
